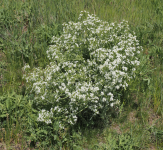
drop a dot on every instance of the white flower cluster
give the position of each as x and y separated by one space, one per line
45 116
26 67
90 61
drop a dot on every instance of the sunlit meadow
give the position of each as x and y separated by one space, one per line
81 74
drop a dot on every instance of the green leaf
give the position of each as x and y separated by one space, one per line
55 137
2 116
1 106
8 103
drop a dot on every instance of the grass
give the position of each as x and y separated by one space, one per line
26 28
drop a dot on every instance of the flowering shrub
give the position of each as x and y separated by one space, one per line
90 62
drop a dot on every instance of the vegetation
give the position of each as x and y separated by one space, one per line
28 32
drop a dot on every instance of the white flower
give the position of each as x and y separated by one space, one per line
91 94
103 99
117 87
102 93
112 104
42 97
82 96
25 67
44 115
110 94
96 89
83 89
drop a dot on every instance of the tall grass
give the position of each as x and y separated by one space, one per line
26 28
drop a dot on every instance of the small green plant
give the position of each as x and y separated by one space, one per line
13 110
120 142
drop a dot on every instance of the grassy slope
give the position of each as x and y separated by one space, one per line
144 17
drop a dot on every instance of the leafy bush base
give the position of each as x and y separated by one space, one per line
90 62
